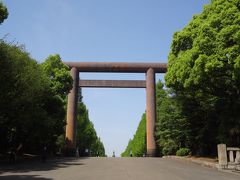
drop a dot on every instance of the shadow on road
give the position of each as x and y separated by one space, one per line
23 177
51 164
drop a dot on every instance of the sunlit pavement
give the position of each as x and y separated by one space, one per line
113 169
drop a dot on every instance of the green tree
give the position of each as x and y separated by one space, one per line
171 125
3 12
128 149
138 144
32 112
24 91
171 131
87 138
203 71
33 99
98 148
58 72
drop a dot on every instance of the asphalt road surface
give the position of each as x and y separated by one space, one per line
113 169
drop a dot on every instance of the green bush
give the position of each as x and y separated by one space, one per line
183 152
169 148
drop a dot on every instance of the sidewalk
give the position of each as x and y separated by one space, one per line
203 161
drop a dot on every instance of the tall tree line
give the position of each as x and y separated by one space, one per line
137 146
32 112
204 66
33 100
88 143
199 107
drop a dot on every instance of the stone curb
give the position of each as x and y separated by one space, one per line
202 163
197 161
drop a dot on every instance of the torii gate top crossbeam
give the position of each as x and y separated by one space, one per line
118 67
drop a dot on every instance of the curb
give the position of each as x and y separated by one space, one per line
196 161
202 163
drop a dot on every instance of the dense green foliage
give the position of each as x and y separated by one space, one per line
204 66
31 113
183 152
172 128
61 80
137 146
60 85
3 12
33 103
88 142
201 106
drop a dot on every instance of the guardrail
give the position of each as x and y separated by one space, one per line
228 157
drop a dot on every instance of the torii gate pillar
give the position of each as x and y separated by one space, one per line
72 113
150 112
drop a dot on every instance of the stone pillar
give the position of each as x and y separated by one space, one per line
150 112
72 113
237 160
222 156
231 156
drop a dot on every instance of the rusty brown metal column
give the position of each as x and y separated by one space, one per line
151 112
72 113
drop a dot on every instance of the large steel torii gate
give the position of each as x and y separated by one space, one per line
114 67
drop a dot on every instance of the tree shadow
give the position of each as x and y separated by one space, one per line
23 177
37 165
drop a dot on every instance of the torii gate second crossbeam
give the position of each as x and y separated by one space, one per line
117 67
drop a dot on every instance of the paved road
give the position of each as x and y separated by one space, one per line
113 169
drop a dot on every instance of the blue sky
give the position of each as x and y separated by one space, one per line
102 30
